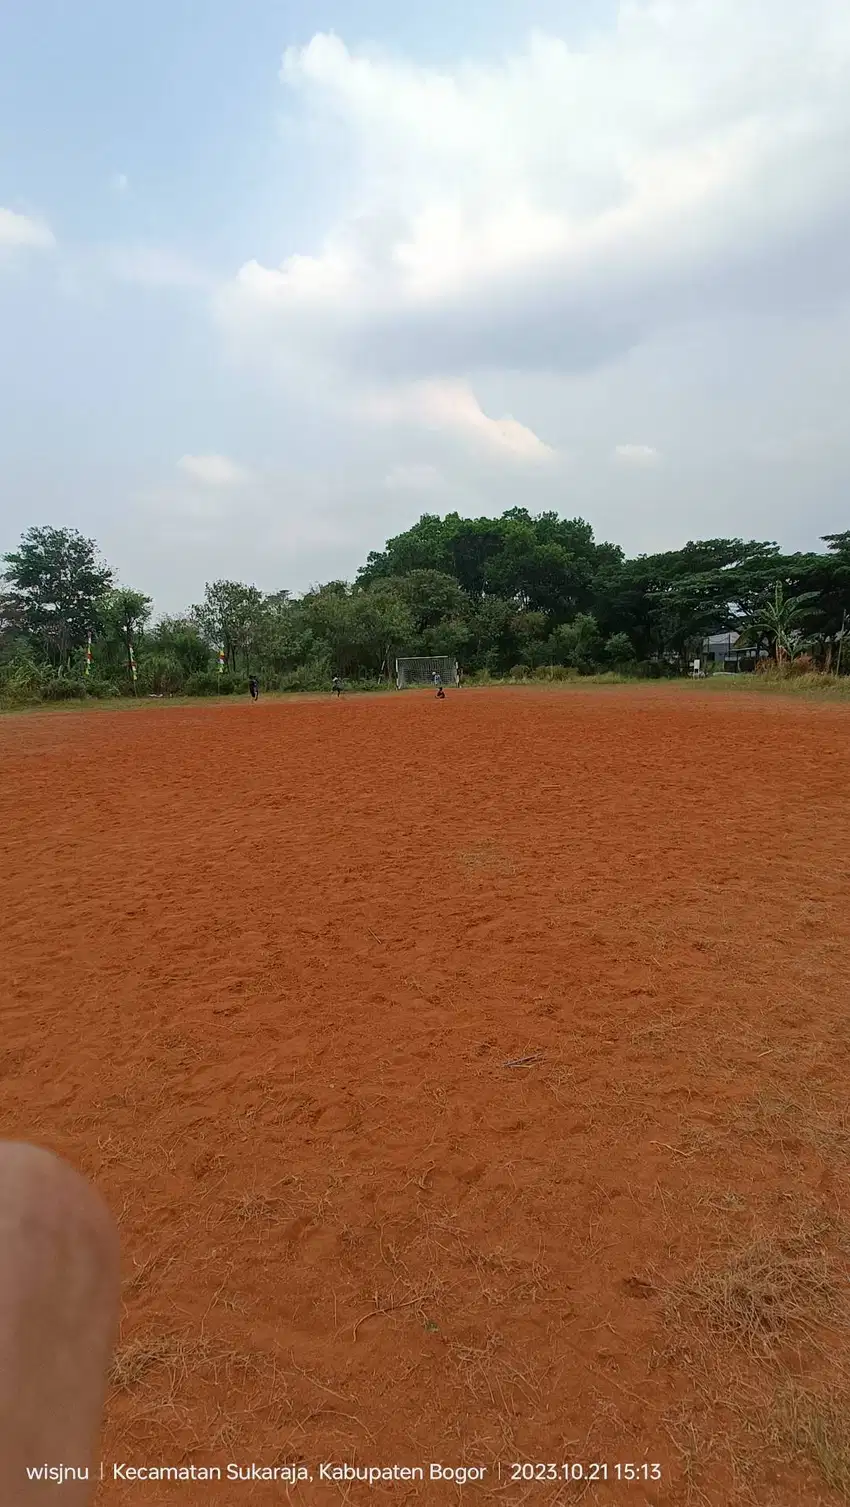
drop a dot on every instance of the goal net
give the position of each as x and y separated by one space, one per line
421 671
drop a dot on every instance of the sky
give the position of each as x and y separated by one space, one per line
278 278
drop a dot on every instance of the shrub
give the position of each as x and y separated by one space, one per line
64 688
520 672
23 681
802 665
161 675
619 650
210 683
101 688
315 675
555 672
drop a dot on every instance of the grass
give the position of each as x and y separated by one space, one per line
815 1426
827 687
771 1288
181 1356
813 687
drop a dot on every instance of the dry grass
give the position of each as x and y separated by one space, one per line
773 1286
822 1126
835 687
816 1426
182 1356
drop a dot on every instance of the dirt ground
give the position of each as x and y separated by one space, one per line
468 1078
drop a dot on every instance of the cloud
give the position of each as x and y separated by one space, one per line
636 455
153 267
214 470
452 406
19 231
551 211
120 183
415 478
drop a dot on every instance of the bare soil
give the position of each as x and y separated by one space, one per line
468 1078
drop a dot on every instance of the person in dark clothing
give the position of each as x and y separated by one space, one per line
254 688
336 686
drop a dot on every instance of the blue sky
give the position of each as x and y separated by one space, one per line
275 279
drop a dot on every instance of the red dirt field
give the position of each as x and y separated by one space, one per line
468 1078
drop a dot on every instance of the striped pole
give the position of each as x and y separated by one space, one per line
133 665
88 655
221 661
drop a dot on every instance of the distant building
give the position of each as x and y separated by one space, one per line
726 652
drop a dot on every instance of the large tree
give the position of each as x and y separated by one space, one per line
55 579
359 630
123 614
230 616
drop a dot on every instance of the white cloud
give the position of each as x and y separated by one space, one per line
153 267
452 406
413 477
636 455
22 231
214 470
544 212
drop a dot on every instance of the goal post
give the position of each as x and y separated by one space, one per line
421 669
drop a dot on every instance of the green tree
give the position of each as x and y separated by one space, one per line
579 644
14 640
826 613
123 614
619 650
178 640
230 617
361 630
779 619
55 579
430 596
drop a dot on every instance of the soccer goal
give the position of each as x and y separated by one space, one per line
421 671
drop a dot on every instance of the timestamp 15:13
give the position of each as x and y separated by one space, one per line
595 1470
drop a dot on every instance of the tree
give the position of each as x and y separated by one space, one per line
124 613
430 596
826 612
779 619
360 630
14 641
178 640
230 616
667 602
55 579
579 644
619 649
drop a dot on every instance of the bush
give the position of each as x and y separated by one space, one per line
161 675
619 650
64 688
22 681
315 675
210 683
101 688
520 672
555 672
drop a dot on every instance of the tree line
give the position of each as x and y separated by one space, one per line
512 595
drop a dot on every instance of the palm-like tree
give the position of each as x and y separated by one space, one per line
779 620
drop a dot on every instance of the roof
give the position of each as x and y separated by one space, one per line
726 640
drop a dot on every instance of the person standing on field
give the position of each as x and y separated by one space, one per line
254 688
438 686
336 686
